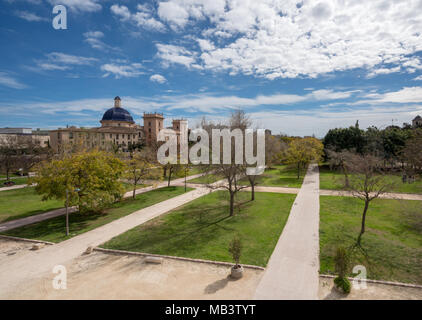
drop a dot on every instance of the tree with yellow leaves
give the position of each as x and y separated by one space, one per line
302 151
140 166
87 179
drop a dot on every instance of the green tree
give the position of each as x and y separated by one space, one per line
235 249
91 180
302 151
140 167
339 139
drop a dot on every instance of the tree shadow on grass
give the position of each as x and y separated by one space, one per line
29 214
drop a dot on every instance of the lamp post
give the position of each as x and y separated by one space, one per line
67 209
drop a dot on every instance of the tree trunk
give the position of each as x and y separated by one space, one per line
346 177
362 230
134 190
7 174
298 170
169 179
253 191
231 204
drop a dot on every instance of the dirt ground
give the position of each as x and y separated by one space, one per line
10 248
106 276
373 291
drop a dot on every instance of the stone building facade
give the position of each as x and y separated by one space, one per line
24 137
117 129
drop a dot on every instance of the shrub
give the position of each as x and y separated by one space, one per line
235 249
343 283
342 262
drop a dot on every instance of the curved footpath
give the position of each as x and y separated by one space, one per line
293 269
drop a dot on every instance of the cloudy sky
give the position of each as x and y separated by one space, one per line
298 67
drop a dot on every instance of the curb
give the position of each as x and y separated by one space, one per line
142 254
25 240
397 284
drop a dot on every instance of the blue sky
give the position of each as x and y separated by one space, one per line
297 67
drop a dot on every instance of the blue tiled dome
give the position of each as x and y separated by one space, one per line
118 114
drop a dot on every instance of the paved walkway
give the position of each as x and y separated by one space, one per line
16 273
19 186
293 269
34 219
62 211
396 196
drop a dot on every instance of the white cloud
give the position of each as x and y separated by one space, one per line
405 95
121 11
94 34
122 71
174 13
94 39
379 71
172 54
205 45
64 58
419 78
30 16
61 61
51 66
158 78
79 5
282 39
9 81
316 120
142 18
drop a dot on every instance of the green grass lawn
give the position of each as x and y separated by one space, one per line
192 171
203 229
334 180
207 179
129 186
16 180
393 237
54 229
21 203
280 176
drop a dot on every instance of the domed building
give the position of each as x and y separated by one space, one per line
118 129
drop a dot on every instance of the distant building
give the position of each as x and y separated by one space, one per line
417 122
117 129
24 136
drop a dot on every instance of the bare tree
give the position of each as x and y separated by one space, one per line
367 182
20 152
412 152
338 160
274 149
232 172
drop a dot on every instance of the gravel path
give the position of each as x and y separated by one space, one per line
292 272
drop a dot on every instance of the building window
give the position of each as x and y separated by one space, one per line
102 135
149 130
111 136
117 136
149 123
